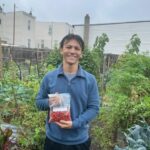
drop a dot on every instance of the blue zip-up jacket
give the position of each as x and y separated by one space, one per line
85 102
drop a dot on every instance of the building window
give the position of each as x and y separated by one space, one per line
50 30
42 43
29 43
29 24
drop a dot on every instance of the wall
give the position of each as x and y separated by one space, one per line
119 35
52 38
22 34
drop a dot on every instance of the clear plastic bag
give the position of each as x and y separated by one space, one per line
60 111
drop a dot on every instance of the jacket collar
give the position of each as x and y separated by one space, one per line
80 71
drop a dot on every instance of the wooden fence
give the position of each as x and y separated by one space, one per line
24 58
20 54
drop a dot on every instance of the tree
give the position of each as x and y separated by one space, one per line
133 46
98 50
54 58
88 63
98 56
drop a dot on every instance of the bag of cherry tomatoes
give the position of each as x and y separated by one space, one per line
61 110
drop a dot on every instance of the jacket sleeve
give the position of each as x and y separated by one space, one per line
42 96
92 108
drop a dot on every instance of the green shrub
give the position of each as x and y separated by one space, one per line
126 99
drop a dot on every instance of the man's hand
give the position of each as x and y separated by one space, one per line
55 100
64 124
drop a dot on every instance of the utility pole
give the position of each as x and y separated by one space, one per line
14 20
14 25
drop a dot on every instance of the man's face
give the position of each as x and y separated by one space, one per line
71 52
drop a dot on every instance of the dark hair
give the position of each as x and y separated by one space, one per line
71 36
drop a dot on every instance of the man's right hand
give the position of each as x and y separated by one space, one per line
55 100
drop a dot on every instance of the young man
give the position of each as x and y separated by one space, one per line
70 78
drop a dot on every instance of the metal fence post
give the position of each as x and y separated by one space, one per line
1 60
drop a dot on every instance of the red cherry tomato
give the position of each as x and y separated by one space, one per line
59 115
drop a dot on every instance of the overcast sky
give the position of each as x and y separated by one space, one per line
73 11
